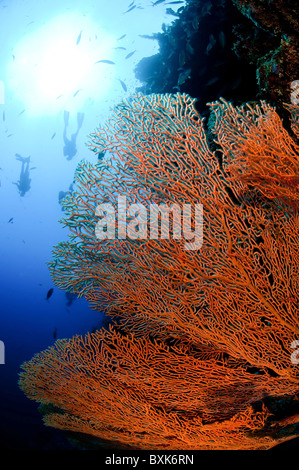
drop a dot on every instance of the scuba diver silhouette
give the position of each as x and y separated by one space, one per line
69 149
24 182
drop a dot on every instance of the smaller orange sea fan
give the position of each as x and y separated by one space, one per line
259 150
148 395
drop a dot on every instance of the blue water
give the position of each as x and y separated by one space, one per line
35 92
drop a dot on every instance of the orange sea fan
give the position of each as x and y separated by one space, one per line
258 149
239 292
207 332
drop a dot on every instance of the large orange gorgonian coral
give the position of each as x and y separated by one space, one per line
229 308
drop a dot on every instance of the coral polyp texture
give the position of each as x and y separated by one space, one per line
201 335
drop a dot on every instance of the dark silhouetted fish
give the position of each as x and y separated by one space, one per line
79 38
157 2
53 135
10 221
123 36
146 36
49 293
206 9
170 11
130 54
211 44
105 62
63 194
101 155
123 85
55 333
76 93
212 81
123 48
23 111
70 298
184 76
130 9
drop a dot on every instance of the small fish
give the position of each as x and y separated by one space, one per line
123 36
120 47
157 2
70 298
33 168
212 42
101 155
182 58
206 9
123 85
53 135
76 93
49 293
59 97
146 36
189 48
195 23
3 116
10 220
130 9
130 54
9 135
170 11
173 3
212 81
55 333
78 38
184 76
105 62
13 57
23 111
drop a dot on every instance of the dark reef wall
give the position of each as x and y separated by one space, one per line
240 50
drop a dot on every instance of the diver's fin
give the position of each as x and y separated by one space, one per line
80 119
22 159
66 116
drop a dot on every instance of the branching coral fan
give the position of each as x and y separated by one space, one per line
202 335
